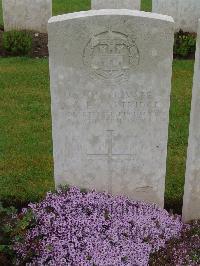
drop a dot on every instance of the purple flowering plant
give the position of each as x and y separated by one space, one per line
182 251
72 227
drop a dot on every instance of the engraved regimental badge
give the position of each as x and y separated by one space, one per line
111 55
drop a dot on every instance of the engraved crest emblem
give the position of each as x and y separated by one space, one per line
111 54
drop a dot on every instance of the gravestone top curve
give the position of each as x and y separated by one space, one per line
111 12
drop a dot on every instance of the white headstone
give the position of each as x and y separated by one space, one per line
115 4
26 14
191 200
110 86
185 12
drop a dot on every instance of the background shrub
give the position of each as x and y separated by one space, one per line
17 42
185 44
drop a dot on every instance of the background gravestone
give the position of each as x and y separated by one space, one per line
110 86
26 14
191 200
185 12
112 4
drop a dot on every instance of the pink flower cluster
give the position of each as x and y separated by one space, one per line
76 228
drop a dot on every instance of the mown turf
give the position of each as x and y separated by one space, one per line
26 165
25 136
178 131
146 5
67 6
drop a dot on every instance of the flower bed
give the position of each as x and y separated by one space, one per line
182 251
78 228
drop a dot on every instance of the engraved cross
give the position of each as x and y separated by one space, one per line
110 157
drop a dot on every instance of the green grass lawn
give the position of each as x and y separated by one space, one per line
26 165
25 138
66 6
178 131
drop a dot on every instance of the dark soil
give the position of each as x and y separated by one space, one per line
184 41
39 49
190 56
5 260
40 45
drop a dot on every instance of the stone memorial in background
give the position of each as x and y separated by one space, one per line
191 200
26 14
185 12
115 4
110 73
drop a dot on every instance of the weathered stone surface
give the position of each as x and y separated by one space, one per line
26 14
185 12
110 87
112 4
191 200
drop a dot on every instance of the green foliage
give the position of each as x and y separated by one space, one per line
185 44
195 255
17 42
12 228
6 251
